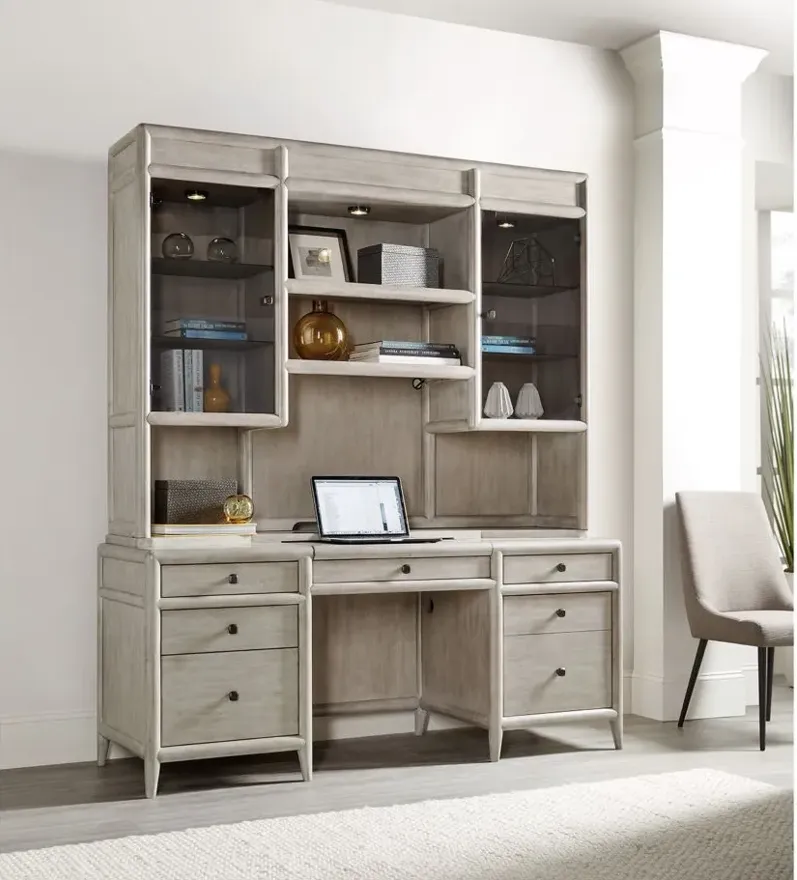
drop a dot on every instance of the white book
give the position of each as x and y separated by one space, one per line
172 388
405 359
193 529
188 379
198 381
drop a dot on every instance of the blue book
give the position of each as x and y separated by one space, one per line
397 343
239 335
508 340
508 349
202 324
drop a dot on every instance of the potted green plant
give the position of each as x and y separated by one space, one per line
778 470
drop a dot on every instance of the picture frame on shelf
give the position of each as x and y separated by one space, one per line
319 252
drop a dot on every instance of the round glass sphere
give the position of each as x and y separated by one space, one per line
321 336
177 246
224 250
238 509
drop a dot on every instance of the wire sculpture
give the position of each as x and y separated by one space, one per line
528 262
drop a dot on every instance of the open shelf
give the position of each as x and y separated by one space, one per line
396 371
539 426
192 268
214 420
207 344
521 291
343 290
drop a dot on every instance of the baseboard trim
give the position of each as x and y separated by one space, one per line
717 695
49 738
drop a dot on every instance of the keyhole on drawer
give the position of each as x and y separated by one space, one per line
405 569
232 629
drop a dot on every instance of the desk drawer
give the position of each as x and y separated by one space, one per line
215 579
557 613
198 631
557 569
198 693
339 571
532 685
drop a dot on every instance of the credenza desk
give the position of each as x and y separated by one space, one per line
213 651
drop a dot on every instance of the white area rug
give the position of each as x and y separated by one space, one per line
696 825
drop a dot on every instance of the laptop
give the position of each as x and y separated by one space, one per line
362 510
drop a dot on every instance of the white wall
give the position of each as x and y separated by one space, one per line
74 78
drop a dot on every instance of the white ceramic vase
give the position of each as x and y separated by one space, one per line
529 405
499 403
787 654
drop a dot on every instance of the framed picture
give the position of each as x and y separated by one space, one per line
317 252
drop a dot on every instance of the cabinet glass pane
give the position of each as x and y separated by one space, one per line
212 295
531 305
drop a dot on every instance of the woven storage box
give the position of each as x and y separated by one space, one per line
191 501
398 264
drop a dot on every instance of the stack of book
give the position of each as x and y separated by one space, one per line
183 370
393 351
509 345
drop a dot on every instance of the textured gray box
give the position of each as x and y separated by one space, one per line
398 264
191 501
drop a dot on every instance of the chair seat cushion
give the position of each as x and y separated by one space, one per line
763 629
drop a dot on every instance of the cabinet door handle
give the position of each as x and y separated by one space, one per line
560 612
405 569
232 696
233 578
561 672
561 567
232 629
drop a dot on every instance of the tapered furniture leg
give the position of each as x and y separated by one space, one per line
306 762
152 772
421 721
617 732
103 750
701 650
770 673
496 739
762 698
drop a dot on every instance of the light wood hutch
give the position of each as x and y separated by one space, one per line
207 649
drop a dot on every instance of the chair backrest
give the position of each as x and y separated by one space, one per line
732 561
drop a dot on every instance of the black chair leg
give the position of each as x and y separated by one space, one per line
762 698
701 650
770 673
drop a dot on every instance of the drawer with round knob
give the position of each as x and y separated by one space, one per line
567 568
200 630
415 568
560 672
213 579
220 697
557 613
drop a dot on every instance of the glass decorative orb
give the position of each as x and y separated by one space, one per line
321 336
224 250
177 246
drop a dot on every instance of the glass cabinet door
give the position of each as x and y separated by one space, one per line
531 317
212 295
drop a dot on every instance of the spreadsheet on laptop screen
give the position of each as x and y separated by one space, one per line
359 507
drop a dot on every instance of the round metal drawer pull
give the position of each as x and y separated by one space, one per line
405 569
561 567
232 696
232 629
233 578
561 672
560 612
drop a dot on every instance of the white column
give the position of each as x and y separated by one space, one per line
688 344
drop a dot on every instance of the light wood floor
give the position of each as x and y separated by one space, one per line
45 806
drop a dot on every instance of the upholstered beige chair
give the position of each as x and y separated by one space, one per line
734 586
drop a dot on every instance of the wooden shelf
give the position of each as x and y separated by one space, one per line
343 290
522 291
388 371
214 420
538 426
194 268
163 342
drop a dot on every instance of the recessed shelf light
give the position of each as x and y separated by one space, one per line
196 195
359 210
505 223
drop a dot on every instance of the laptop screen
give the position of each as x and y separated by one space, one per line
360 506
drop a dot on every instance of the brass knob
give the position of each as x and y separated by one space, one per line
233 578
561 567
232 696
405 569
560 612
561 672
232 629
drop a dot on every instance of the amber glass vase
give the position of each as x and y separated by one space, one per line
216 396
321 336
